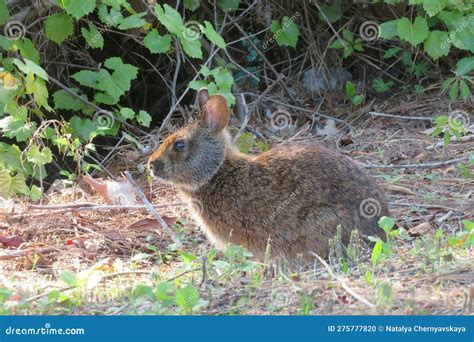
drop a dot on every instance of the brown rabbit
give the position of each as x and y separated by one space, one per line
291 198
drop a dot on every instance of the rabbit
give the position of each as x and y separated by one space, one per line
286 202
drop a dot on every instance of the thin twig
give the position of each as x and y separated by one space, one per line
98 207
265 59
402 117
343 283
150 207
416 166
23 252
248 114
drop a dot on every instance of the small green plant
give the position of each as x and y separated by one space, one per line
380 86
306 304
383 249
5 294
448 126
220 81
348 43
351 92
384 294
432 251
247 141
461 83
465 238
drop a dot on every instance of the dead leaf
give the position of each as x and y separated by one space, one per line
421 229
115 192
420 156
12 241
398 189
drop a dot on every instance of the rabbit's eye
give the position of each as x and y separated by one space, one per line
179 145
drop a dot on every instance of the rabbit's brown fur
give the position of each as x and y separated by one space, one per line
291 198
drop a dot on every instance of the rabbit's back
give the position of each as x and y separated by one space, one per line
291 198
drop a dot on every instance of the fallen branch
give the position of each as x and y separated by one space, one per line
24 252
421 205
416 166
150 207
402 117
98 207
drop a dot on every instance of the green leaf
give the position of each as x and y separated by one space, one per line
452 19
386 223
170 19
38 157
28 50
435 45
213 36
111 18
93 37
433 7
412 33
192 47
86 78
127 113
388 29
133 21
350 89
81 128
286 33
156 43
30 66
191 5
358 99
187 297
59 27
144 118
69 278
64 100
376 252
380 86
332 13
464 90
5 43
11 185
35 193
348 35
465 66
229 5
18 129
448 82
197 85
121 78
10 157
338 44
391 52
454 91
4 15
78 9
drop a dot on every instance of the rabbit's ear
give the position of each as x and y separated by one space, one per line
203 96
215 113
